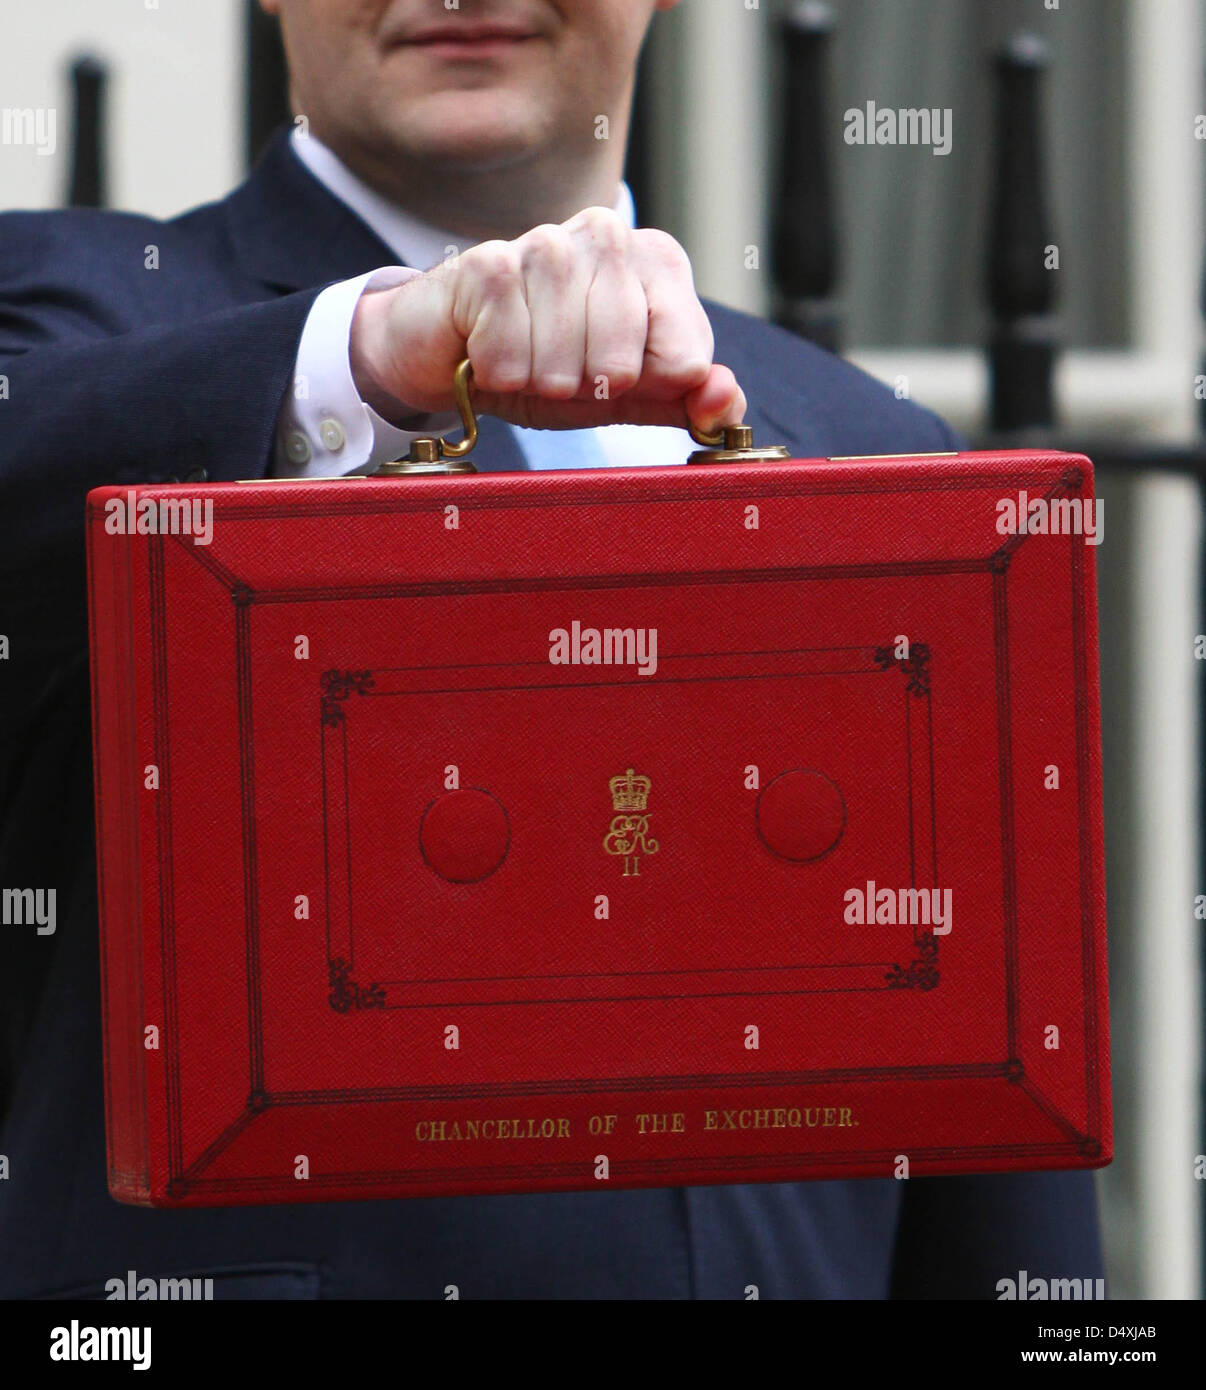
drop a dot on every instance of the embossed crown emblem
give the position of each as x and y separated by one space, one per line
630 793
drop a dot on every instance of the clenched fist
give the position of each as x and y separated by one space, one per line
587 323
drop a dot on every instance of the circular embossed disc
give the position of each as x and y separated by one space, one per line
464 835
800 815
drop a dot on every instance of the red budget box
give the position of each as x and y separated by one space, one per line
641 827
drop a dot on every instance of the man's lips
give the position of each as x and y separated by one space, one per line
467 40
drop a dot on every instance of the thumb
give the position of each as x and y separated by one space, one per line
719 401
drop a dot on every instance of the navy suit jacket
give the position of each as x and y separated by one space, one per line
120 373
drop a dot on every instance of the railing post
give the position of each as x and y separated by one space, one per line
88 183
805 246
1021 275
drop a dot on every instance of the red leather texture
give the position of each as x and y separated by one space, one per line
404 893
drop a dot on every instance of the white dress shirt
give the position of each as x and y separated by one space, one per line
325 429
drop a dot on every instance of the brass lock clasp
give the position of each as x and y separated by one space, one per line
733 444
437 458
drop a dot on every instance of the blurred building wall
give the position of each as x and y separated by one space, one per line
176 97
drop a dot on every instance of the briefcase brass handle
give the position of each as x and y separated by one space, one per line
460 386
431 457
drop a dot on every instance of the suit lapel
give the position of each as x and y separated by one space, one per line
289 233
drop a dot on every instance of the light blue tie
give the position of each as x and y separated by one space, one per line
545 449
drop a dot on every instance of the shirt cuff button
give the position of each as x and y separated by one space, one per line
332 434
297 448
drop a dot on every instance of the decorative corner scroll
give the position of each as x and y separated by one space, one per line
346 994
916 666
921 973
1072 479
336 686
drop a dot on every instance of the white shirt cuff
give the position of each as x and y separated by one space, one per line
324 429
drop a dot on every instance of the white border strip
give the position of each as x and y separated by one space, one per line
1167 983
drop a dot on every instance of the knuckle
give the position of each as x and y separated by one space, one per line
695 341
556 385
663 251
606 228
620 374
689 364
550 248
502 375
495 263
557 378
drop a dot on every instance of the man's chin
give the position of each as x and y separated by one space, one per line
470 135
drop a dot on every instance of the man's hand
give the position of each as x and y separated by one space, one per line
587 323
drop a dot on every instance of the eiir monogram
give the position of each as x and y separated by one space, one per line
628 834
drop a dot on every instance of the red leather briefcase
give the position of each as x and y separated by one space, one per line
736 822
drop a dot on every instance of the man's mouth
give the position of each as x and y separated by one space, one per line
468 41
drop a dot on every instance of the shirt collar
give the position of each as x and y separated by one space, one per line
415 243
